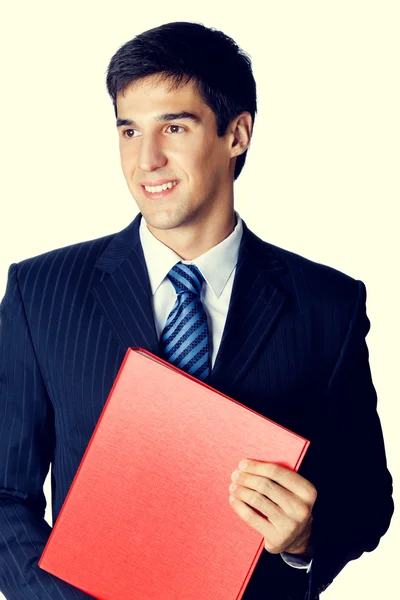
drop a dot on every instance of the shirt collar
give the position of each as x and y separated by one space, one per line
216 265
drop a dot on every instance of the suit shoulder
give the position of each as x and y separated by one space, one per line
316 279
85 252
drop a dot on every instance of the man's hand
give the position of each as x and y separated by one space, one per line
285 500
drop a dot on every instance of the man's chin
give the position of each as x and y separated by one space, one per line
162 220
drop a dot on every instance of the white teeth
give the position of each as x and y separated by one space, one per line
160 188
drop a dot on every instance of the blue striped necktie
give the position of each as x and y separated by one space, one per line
184 340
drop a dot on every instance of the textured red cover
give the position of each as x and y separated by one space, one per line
147 515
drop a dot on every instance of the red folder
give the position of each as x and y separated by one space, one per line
148 515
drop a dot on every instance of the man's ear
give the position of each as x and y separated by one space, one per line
241 132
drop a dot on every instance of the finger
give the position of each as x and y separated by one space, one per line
253 518
287 502
287 478
265 507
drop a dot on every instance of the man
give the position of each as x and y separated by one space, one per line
188 281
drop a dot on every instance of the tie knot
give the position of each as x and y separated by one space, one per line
186 278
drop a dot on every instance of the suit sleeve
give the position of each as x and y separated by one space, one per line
27 440
354 506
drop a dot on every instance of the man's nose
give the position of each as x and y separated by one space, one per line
151 155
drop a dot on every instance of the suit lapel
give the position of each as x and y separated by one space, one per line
123 290
123 293
255 305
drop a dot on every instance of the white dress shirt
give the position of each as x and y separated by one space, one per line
218 267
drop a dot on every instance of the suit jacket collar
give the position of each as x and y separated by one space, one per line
123 291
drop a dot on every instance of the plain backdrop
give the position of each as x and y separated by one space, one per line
321 177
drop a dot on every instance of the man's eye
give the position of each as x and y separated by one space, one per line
126 131
179 126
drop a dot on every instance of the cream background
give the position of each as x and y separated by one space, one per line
321 177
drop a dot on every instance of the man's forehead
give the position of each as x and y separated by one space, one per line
158 101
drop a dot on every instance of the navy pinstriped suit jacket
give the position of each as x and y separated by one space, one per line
293 349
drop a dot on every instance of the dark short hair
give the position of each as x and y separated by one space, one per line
220 70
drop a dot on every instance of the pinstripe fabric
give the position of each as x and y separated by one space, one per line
293 349
184 340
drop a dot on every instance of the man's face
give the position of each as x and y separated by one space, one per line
181 150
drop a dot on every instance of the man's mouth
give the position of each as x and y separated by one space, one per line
159 191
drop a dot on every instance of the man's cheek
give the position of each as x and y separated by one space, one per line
127 164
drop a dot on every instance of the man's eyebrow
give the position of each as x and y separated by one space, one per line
164 117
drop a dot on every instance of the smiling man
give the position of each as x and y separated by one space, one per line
189 281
